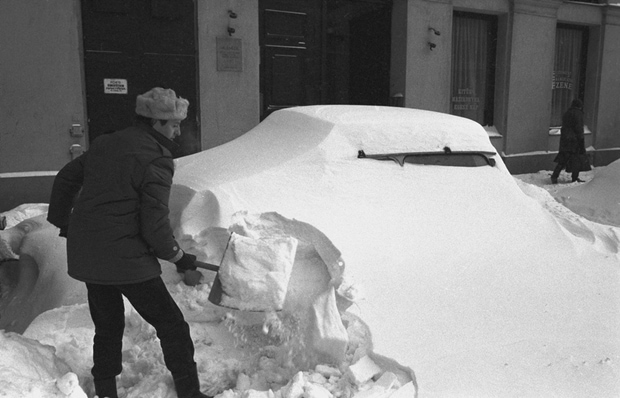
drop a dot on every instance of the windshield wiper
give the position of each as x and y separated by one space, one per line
447 158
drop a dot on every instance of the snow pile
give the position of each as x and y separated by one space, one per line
24 212
587 200
36 279
239 354
29 369
236 360
19 222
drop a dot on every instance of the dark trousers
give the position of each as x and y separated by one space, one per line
561 166
153 302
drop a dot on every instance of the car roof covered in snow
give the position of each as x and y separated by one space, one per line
338 132
394 130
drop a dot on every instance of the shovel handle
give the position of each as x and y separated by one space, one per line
210 267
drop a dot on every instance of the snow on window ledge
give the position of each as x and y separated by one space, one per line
556 130
492 132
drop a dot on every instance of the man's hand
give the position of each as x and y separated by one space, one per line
186 263
186 266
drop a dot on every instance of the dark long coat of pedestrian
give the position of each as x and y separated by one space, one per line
571 153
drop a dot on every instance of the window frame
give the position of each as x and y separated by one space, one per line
583 64
491 65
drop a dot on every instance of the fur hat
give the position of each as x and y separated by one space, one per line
161 104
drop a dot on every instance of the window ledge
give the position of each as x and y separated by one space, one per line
492 132
556 130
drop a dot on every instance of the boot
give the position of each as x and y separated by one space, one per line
188 386
106 388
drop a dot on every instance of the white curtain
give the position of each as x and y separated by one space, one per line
566 72
470 52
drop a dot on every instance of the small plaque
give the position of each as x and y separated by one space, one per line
115 86
229 54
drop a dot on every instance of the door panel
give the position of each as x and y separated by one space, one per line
287 88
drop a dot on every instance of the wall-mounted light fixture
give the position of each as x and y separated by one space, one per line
232 16
432 45
435 31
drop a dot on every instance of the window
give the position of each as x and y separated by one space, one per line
445 158
569 69
474 42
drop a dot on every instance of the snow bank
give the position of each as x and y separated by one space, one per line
29 369
597 200
36 280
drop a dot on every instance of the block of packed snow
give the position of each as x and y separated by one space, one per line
372 392
316 391
243 382
327 371
330 337
255 272
27 366
387 380
406 391
70 386
295 387
258 394
382 388
363 370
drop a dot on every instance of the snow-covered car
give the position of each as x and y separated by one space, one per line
459 275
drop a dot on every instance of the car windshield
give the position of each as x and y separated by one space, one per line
445 158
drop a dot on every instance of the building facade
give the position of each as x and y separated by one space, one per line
514 66
70 70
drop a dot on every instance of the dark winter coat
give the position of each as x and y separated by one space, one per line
571 136
119 192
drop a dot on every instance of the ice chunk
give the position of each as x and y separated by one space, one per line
295 388
258 394
327 371
381 388
387 380
70 386
363 370
317 391
243 382
406 391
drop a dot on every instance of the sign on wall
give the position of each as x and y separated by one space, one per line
562 79
229 54
115 86
465 100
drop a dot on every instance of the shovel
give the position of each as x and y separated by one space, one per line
215 296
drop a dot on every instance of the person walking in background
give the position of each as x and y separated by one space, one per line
111 204
572 151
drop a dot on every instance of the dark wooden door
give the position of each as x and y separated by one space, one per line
131 47
324 52
291 58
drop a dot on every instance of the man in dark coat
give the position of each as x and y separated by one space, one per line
111 203
571 143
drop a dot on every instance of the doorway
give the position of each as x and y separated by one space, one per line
324 52
131 47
